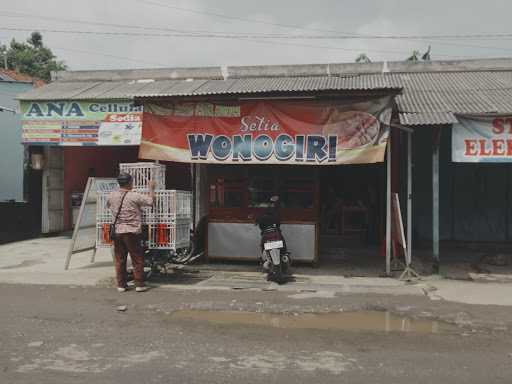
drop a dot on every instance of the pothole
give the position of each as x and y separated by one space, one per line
369 321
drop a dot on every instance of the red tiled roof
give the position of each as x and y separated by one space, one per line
16 76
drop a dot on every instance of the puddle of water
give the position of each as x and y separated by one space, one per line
373 321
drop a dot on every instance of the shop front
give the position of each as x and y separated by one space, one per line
73 140
239 194
324 158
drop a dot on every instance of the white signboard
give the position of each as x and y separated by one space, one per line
482 139
121 129
76 123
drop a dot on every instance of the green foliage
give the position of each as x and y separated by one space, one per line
415 56
363 58
32 57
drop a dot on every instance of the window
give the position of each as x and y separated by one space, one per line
261 189
240 192
297 193
226 193
227 187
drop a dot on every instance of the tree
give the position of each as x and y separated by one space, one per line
32 57
363 58
426 55
415 56
3 55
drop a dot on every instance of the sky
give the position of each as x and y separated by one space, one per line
143 33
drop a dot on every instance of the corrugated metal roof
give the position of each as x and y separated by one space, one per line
173 88
432 118
435 98
461 102
144 73
59 91
448 81
433 93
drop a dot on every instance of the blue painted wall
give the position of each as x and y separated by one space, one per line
11 149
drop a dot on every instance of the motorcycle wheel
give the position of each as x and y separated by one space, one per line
286 264
285 269
276 274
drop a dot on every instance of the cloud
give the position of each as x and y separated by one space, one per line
396 17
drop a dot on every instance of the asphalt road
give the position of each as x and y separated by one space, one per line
62 335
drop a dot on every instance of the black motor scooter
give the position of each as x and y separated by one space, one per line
275 256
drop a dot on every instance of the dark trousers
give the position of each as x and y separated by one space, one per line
129 243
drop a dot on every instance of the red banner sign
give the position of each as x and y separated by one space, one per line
272 132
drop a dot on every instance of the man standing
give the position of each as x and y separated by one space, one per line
126 205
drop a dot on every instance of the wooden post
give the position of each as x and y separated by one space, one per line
388 208
435 202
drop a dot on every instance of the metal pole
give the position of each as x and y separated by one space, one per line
435 206
409 199
193 175
388 207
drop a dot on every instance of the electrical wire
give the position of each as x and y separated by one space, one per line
207 36
348 34
11 14
204 34
109 56
255 38
333 33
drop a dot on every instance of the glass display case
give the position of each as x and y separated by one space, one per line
238 192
